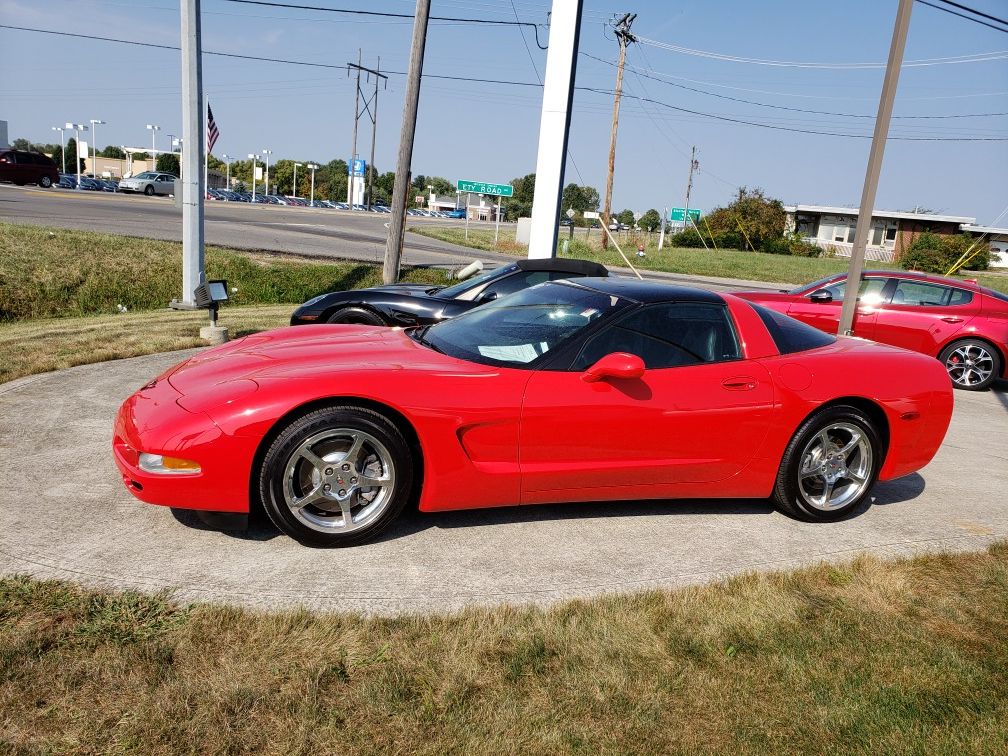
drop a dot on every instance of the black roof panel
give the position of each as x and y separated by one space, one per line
564 265
646 292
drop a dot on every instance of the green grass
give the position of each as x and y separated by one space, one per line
871 656
57 273
724 263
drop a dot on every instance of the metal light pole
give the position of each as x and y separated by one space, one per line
172 141
294 192
193 180
267 153
874 167
78 128
252 157
312 167
227 159
129 159
62 144
153 144
94 146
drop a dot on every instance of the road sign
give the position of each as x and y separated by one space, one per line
357 167
570 213
589 215
479 187
679 214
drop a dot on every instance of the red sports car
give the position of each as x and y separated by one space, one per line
962 324
579 390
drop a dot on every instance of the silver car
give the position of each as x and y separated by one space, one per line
150 183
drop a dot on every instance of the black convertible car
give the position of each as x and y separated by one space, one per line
415 304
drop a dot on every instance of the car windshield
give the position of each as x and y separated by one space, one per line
812 286
469 283
521 327
145 175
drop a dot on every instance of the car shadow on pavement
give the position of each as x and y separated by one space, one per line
897 491
1000 391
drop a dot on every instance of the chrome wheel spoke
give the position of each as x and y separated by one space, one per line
311 457
827 493
309 498
353 453
367 481
855 440
855 475
345 507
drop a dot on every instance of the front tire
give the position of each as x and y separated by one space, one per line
337 476
830 465
149 190
972 364
356 316
45 182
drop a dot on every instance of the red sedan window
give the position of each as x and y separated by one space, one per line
922 294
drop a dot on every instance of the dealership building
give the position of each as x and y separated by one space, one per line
892 231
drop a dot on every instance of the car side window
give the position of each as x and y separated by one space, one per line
870 289
922 294
672 334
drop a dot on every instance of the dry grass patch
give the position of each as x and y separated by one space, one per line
866 657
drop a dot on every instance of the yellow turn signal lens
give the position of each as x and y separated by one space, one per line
157 463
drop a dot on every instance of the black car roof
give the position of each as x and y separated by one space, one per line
645 292
564 265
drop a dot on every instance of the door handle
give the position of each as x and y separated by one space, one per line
951 319
739 383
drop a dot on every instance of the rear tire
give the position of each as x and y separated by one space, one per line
337 476
356 316
971 360
830 465
45 182
149 190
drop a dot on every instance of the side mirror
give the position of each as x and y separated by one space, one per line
821 295
615 365
486 296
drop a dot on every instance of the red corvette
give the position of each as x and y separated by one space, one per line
962 324
590 389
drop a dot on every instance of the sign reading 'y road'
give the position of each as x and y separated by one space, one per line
479 187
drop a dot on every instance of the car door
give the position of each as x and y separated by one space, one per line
164 184
923 316
698 414
826 315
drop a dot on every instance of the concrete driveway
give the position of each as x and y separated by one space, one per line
65 514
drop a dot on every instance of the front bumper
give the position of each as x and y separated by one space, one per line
152 421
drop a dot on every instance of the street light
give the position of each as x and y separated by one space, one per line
62 144
267 153
153 146
172 140
312 167
430 202
129 159
227 181
78 128
252 157
295 177
94 145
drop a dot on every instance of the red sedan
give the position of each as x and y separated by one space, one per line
962 324
594 389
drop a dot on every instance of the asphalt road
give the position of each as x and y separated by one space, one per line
296 230
64 513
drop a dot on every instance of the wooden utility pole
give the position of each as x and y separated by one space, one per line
371 108
694 165
622 30
397 226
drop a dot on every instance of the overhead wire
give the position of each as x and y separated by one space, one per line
968 18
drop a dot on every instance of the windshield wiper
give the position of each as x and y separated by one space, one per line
418 336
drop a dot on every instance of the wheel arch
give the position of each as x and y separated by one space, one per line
393 415
872 409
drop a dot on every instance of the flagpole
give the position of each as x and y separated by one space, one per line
206 158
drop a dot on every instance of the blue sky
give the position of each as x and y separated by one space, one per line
488 132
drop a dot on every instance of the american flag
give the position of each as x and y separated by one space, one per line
212 130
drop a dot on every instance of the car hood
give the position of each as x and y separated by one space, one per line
289 353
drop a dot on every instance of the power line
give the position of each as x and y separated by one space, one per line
968 18
389 14
785 107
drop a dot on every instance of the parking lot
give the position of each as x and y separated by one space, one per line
71 518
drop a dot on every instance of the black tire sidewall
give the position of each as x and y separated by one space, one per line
786 492
45 182
995 373
272 470
355 316
149 191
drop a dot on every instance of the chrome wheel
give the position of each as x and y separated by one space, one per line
969 365
339 480
836 467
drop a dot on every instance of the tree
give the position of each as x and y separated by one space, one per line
22 144
626 218
759 216
141 156
650 221
168 162
71 156
113 152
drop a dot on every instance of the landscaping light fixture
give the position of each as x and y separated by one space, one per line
209 295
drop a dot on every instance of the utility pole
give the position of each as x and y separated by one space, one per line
621 29
371 108
356 117
397 226
874 168
194 136
694 165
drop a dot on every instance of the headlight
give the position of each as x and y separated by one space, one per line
157 463
315 300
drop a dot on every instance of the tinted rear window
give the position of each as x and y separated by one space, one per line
789 334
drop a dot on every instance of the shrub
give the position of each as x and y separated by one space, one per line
933 253
579 248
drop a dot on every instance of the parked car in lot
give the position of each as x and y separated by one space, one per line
616 389
417 304
149 183
108 185
21 167
89 184
457 213
961 323
67 181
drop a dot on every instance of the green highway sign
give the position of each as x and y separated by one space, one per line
480 187
679 214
